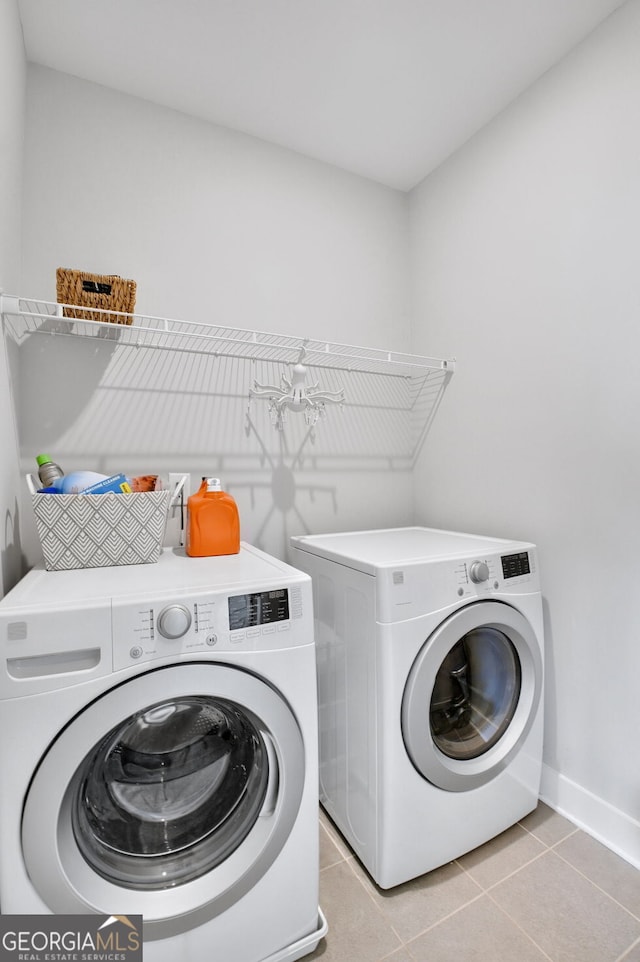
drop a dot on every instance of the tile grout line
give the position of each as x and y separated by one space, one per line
343 853
405 942
519 927
489 888
625 954
445 918
351 862
553 844
596 886
337 838
390 955
331 865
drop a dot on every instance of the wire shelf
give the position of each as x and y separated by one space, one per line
25 317
391 398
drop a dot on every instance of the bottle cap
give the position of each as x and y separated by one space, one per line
43 459
213 484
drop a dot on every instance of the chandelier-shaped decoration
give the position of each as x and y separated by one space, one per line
295 395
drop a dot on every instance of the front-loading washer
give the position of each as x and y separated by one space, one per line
430 675
158 748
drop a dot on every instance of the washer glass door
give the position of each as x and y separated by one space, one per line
472 695
172 793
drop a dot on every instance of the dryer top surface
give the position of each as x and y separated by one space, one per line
370 551
174 571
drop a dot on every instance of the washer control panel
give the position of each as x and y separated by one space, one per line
479 572
190 626
258 608
174 621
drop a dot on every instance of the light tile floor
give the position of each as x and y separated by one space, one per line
543 890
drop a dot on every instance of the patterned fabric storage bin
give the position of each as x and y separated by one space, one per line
99 530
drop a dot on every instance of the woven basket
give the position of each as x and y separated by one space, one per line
102 292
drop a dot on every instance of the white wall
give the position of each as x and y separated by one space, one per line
525 266
221 228
12 101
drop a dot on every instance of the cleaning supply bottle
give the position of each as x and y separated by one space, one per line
48 470
55 481
77 481
213 525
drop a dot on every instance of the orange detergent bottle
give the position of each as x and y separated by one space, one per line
213 525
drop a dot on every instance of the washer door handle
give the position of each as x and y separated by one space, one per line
273 785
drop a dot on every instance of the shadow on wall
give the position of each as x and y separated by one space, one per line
55 378
12 560
284 483
550 693
96 404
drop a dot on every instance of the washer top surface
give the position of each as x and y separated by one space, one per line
174 571
370 551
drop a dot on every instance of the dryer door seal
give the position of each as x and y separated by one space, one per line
172 794
472 695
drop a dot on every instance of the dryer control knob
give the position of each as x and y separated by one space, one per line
479 572
174 621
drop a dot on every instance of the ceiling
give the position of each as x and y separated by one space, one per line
387 89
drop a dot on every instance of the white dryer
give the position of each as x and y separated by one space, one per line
158 749
430 677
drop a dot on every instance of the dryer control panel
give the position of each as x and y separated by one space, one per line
489 573
515 565
256 620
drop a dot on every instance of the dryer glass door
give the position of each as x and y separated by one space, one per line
475 693
472 695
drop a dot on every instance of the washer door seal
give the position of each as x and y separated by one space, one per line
210 849
472 695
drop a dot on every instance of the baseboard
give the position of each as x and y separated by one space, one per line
598 818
